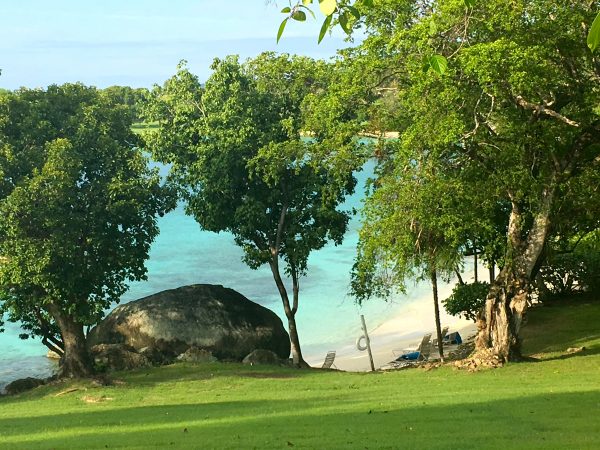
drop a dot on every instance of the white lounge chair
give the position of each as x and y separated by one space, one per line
444 333
412 355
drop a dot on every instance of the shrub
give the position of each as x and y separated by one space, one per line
467 300
566 274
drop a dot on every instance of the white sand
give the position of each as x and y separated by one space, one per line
395 334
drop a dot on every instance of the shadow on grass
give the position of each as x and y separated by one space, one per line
553 329
567 420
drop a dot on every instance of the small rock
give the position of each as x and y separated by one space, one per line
155 355
118 357
260 356
196 355
52 355
22 385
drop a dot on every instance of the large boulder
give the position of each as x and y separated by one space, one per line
214 318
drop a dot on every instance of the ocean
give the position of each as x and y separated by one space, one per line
183 254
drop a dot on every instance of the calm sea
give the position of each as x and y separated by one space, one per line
182 254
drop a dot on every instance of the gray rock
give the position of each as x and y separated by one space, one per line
22 385
118 357
52 355
197 355
260 356
155 356
209 317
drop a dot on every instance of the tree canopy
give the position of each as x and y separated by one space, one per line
349 13
246 162
79 207
511 126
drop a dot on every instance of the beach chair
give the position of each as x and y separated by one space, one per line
329 360
453 339
444 333
413 355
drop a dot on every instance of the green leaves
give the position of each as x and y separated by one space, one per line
470 3
281 28
593 39
80 216
343 19
325 27
296 13
467 300
438 63
300 16
345 12
244 166
433 29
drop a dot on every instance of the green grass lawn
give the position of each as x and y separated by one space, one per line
552 403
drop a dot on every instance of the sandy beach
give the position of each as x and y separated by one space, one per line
395 334
402 331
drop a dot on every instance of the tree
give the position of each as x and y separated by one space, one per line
238 153
514 121
79 207
467 300
348 14
407 231
133 98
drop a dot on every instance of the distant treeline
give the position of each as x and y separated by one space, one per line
134 98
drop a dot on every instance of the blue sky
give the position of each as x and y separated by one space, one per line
140 42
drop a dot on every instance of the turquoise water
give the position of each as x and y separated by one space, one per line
183 254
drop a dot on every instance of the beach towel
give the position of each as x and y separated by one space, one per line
412 356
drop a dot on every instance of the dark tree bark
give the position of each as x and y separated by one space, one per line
48 338
458 275
492 269
52 347
76 361
436 306
476 271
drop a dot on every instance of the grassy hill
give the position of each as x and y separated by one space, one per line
553 402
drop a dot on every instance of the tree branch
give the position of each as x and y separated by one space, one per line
543 109
280 225
295 287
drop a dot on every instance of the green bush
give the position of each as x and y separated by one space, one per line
467 300
566 274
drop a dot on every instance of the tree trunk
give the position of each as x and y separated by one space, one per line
460 280
499 330
492 269
297 358
436 306
76 361
475 269
290 313
499 333
52 347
